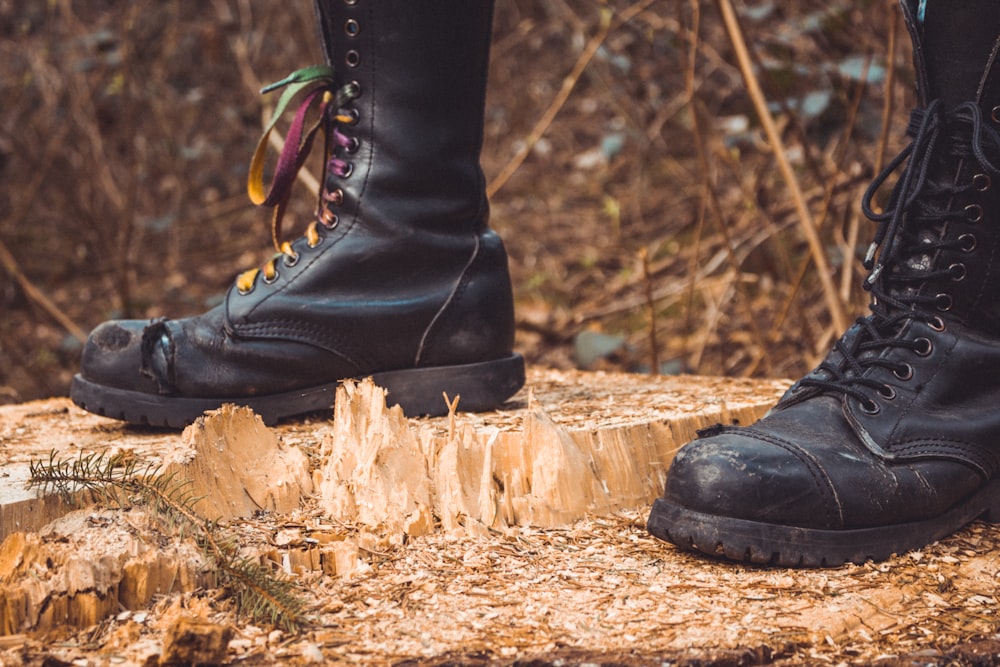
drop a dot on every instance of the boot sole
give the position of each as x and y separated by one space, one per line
481 386
789 546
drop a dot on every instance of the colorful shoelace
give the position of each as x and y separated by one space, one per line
317 83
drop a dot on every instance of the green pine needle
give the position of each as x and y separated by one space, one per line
123 481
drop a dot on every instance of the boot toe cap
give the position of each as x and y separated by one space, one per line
739 476
113 356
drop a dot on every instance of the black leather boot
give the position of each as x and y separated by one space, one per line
399 278
894 440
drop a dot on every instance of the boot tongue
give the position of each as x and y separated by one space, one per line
958 38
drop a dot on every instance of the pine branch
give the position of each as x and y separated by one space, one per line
263 595
123 480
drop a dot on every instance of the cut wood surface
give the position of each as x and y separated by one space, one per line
569 444
577 445
497 537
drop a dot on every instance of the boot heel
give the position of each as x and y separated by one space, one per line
992 512
483 386
991 515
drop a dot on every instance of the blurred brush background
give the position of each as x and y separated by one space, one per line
652 220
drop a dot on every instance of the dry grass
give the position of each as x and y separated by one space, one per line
632 181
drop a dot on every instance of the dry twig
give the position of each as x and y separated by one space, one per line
607 25
808 227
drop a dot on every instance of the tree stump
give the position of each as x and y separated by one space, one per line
574 445
570 446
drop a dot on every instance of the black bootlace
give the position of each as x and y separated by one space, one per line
902 259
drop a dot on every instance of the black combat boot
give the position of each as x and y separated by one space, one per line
894 440
398 278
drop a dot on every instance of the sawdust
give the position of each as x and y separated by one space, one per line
599 591
601 587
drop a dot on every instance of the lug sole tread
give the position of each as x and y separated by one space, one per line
762 543
482 386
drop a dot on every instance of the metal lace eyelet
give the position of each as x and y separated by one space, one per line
348 170
350 3
957 271
982 182
937 324
995 114
244 292
272 279
353 146
973 212
352 27
328 218
968 242
335 196
886 391
354 116
923 347
905 374
355 89
352 58
943 302
313 245
870 407
291 260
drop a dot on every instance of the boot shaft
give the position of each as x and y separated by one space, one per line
421 70
945 247
954 46
403 270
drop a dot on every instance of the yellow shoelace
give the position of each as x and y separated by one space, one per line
318 84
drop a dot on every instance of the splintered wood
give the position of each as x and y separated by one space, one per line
236 466
570 446
601 591
83 566
511 536
64 576
609 450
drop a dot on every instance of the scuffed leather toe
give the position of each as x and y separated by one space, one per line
799 488
742 477
113 356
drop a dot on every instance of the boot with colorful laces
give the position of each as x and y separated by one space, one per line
399 276
893 441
